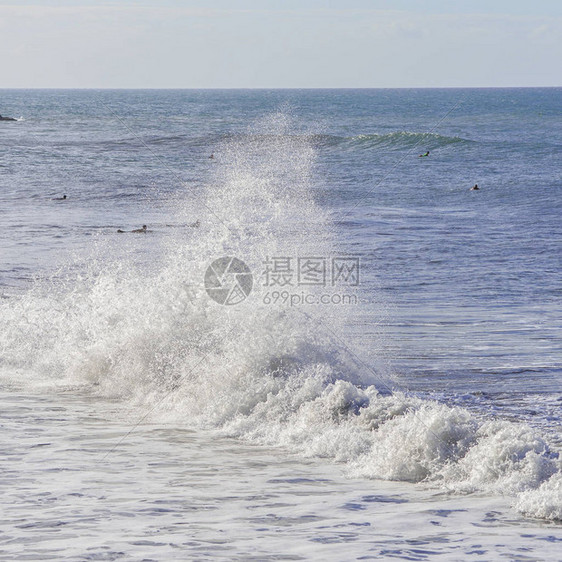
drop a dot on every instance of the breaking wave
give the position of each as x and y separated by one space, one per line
395 140
264 373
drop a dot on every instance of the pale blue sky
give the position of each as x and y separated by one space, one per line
280 44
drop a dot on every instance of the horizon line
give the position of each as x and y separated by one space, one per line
244 88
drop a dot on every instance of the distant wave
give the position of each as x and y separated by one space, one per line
393 140
396 139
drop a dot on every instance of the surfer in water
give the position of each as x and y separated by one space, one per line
424 154
137 230
475 187
63 198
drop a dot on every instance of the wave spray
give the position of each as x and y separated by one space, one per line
257 370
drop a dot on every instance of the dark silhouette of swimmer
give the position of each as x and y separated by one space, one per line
474 187
137 230
212 156
7 118
425 154
60 198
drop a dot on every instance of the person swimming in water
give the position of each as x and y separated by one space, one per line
424 154
475 187
142 230
60 198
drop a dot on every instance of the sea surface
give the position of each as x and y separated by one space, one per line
324 347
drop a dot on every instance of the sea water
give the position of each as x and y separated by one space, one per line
382 381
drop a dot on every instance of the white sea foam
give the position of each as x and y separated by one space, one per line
267 374
545 501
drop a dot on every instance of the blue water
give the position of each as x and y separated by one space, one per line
473 278
459 294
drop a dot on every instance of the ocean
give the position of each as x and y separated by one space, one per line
324 345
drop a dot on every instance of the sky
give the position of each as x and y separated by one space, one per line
280 44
